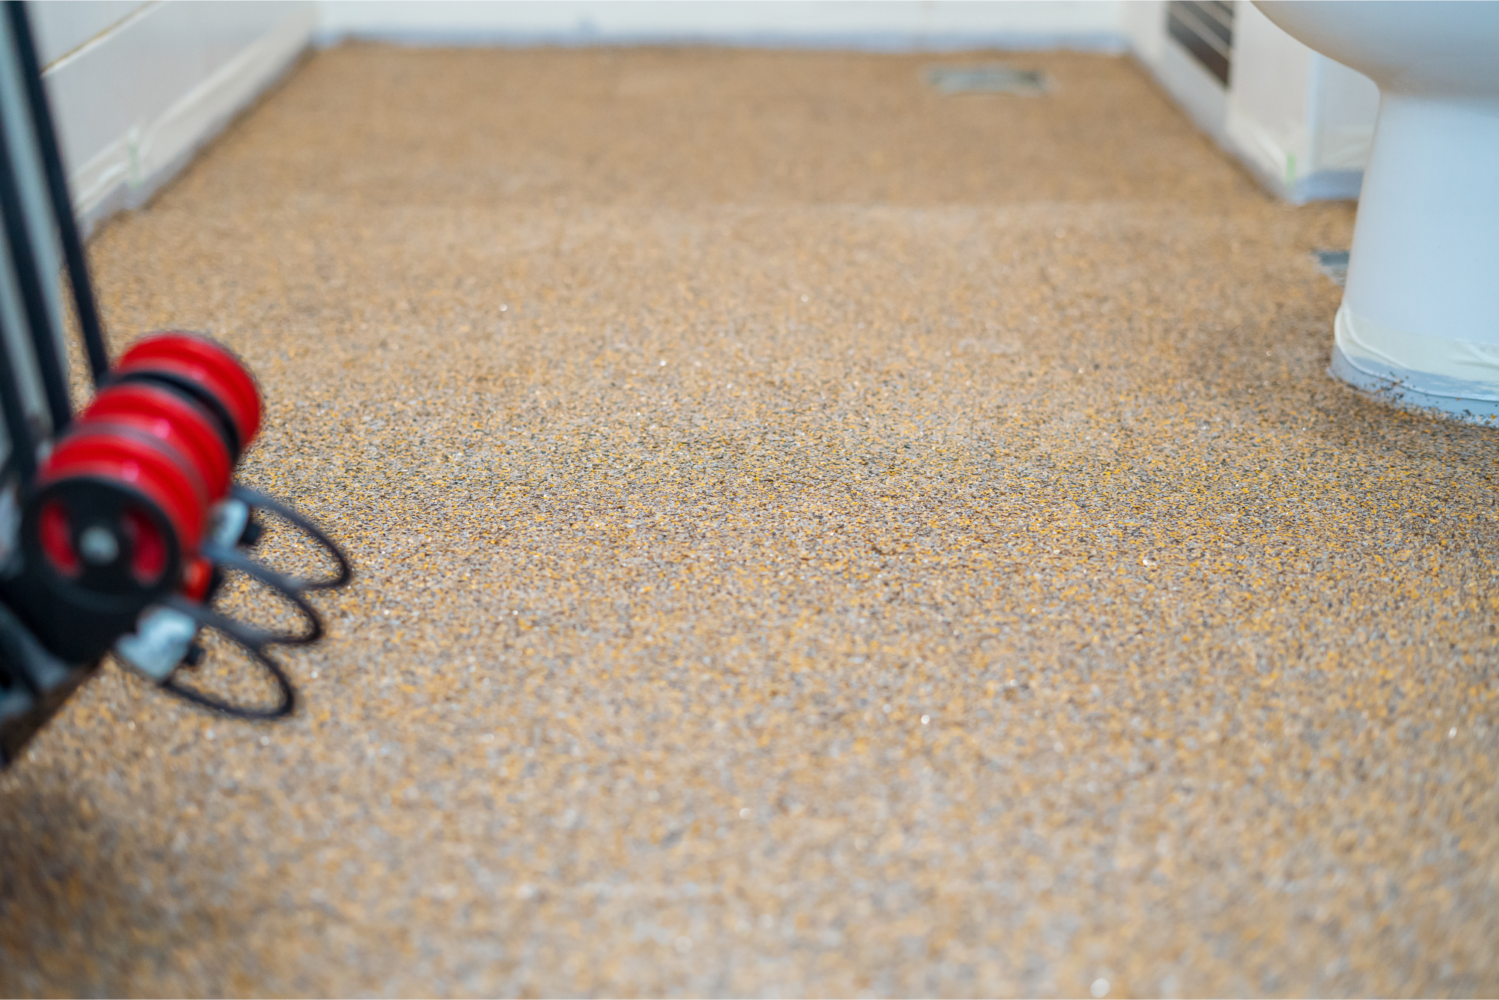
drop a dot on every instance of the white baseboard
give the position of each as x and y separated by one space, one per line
1105 42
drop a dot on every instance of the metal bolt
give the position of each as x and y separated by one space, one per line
98 545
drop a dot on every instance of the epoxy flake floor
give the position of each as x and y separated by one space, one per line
816 536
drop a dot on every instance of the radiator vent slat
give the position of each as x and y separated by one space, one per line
1205 28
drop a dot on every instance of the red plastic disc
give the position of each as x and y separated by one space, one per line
207 364
57 539
141 462
175 420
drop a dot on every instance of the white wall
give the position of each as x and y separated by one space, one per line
137 88
1144 25
889 24
1199 93
1301 122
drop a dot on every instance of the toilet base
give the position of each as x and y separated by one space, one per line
1401 396
1455 379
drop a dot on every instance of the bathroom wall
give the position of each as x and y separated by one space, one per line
1300 122
124 131
890 24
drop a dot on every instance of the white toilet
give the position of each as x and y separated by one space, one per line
1419 323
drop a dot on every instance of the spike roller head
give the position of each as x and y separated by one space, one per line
205 371
174 418
115 512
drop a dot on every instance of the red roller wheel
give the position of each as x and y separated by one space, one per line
174 419
134 460
115 513
205 366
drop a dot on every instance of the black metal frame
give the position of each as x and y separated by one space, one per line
85 309
51 365
31 675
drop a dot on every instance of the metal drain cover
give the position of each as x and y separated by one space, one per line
1333 263
993 78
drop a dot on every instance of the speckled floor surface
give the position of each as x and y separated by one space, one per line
816 536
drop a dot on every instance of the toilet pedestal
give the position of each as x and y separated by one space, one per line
1419 324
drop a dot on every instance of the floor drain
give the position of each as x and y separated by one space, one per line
1333 263
991 79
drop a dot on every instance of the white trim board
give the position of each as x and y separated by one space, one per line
62 28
